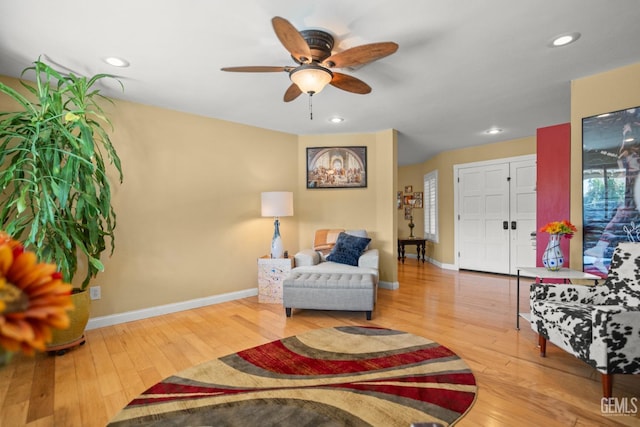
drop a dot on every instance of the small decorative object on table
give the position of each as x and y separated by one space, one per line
553 258
33 300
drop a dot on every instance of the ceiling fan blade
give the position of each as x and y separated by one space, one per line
291 39
292 93
257 69
360 55
350 84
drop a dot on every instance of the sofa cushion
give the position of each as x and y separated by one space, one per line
334 267
359 233
348 249
325 240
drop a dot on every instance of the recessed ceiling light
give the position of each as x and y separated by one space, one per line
493 131
336 120
564 39
116 62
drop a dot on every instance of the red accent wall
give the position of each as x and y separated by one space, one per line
553 177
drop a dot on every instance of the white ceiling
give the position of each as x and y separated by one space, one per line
462 67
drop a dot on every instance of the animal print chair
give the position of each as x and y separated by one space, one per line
599 325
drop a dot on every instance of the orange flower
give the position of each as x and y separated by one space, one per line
563 227
33 299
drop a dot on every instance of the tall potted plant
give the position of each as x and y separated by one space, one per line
55 195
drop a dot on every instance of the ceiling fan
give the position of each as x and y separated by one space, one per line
311 50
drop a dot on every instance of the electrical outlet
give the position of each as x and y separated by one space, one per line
94 292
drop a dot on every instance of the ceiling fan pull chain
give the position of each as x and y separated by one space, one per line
310 106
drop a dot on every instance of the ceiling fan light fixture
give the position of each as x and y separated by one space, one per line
310 78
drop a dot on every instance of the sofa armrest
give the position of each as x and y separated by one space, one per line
306 257
615 338
369 259
580 294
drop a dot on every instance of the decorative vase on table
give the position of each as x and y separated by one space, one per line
552 258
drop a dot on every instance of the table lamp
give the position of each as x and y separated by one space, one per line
277 204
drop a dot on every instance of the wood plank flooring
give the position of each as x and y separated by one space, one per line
471 313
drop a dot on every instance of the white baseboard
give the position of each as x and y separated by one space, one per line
389 285
114 319
441 265
435 262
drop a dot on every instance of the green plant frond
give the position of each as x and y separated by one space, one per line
54 186
16 96
94 79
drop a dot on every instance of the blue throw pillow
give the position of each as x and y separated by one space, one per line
348 249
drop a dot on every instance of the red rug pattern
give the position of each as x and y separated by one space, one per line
342 376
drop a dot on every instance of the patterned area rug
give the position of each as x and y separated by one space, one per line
343 376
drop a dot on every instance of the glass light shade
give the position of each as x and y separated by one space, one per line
311 78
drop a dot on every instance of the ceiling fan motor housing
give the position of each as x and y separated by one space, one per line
320 43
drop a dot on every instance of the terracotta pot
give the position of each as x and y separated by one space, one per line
79 316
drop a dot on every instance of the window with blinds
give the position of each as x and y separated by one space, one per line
431 206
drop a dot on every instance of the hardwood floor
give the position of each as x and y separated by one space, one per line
471 313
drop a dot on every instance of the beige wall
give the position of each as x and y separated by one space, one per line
611 91
443 251
189 222
371 208
188 212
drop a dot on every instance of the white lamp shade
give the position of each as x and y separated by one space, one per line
277 203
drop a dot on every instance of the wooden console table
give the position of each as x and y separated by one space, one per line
416 241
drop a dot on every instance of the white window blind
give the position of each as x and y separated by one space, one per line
431 206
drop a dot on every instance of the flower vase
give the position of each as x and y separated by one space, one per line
552 258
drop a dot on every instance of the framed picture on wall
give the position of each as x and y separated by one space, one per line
610 189
336 167
408 189
399 199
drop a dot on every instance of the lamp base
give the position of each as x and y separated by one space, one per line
277 248
411 225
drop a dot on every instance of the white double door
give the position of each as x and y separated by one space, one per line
496 215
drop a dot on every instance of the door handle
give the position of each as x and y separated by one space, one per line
505 225
513 225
